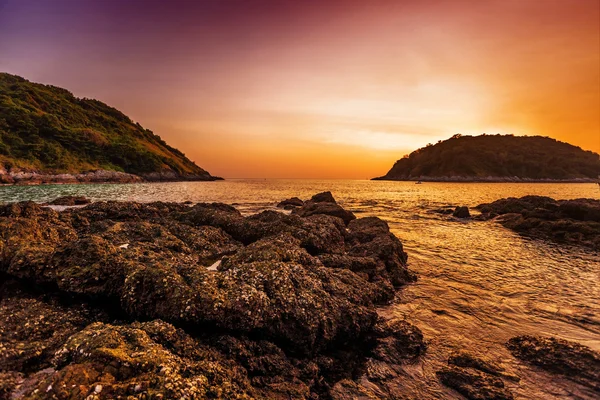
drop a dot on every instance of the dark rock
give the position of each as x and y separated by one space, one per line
70 201
8 382
292 202
31 330
152 358
290 310
326 208
474 384
371 237
468 360
461 212
573 360
324 197
575 222
398 341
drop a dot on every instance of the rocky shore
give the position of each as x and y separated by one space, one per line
575 222
169 300
22 177
160 300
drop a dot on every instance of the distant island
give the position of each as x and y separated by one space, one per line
47 135
497 158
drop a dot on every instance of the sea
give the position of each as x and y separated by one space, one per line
479 284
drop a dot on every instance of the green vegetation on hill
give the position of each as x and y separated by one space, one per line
497 156
46 129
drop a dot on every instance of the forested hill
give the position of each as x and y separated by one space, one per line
46 131
497 158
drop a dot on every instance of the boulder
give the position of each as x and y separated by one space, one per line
371 237
398 341
289 310
290 203
461 212
326 208
324 197
474 384
573 360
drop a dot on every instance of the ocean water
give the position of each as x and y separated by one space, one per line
479 283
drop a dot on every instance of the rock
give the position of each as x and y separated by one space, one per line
32 329
371 237
398 341
324 203
70 201
467 360
474 384
575 222
274 286
573 360
327 208
475 377
324 197
461 212
291 202
289 310
151 358
8 382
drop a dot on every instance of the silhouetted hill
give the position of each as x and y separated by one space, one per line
49 135
497 158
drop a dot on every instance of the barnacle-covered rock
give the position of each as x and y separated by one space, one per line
273 305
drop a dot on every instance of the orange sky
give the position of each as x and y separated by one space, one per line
319 89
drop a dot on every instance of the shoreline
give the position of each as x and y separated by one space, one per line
22 178
458 179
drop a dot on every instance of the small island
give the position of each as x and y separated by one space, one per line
497 158
47 135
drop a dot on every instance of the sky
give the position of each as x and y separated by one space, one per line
315 89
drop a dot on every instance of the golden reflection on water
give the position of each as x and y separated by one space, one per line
479 283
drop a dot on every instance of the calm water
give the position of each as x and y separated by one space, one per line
479 285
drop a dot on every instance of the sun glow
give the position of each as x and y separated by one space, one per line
238 87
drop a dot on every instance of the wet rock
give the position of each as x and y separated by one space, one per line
151 260
574 222
324 197
474 384
573 360
467 360
70 201
326 208
371 237
289 311
461 212
398 341
290 203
